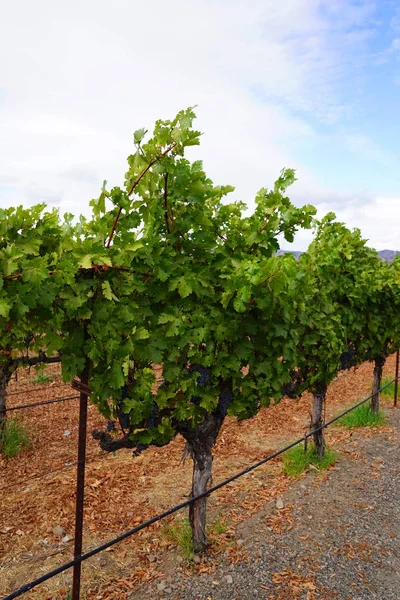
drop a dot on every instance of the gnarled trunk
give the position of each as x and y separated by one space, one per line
317 420
5 376
379 363
199 444
202 475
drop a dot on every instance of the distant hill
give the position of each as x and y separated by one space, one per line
388 255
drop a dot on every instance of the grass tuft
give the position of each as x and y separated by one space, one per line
218 527
296 461
41 377
363 416
14 438
389 391
179 533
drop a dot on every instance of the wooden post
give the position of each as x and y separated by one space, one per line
396 383
80 479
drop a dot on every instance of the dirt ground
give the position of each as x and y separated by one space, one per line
331 536
38 489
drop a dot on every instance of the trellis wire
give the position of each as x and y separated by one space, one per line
78 560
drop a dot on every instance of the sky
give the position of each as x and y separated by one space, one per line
308 84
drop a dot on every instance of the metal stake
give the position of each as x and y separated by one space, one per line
80 481
396 383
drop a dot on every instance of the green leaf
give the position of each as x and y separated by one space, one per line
86 262
125 366
184 288
139 135
133 247
106 287
35 273
4 308
166 318
142 333
226 298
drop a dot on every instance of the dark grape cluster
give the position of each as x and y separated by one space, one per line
291 389
288 389
151 421
110 425
195 400
204 374
203 378
348 359
29 339
139 449
124 417
224 401
124 420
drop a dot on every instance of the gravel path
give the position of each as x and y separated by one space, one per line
336 537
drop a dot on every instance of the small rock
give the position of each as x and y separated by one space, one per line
66 538
309 517
58 530
168 590
197 559
151 558
279 504
228 579
161 586
240 542
66 433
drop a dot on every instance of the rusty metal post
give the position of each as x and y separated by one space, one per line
80 479
396 383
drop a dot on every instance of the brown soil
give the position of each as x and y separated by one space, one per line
122 492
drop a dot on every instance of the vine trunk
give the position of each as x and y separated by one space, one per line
317 419
379 363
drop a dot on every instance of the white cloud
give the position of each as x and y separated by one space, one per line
381 231
364 147
81 76
376 217
391 52
395 21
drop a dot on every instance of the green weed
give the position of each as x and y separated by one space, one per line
179 533
218 527
42 378
14 438
296 461
363 416
389 391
